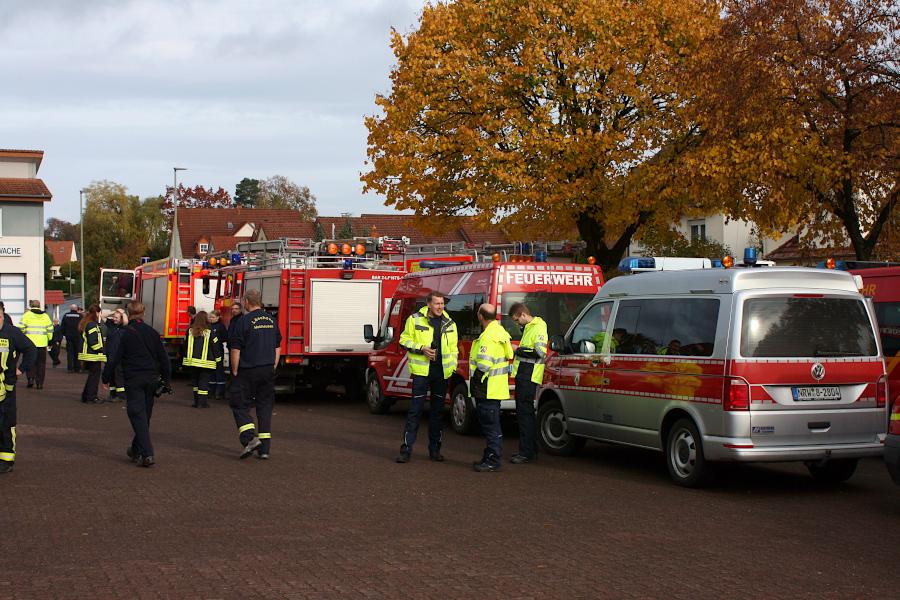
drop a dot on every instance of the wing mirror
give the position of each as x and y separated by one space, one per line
368 333
558 344
587 347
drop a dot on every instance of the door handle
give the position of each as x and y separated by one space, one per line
819 425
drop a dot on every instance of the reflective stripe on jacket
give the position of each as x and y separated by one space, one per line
92 344
38 327
199 355
5 351
534 338
490 355
418 334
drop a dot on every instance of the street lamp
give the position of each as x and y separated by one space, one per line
175 204
81 232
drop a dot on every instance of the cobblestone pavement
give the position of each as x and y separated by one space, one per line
332 516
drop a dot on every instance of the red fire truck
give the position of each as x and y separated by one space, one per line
166 287
555 291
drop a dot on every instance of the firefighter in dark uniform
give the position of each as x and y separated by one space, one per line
13 344
255 350
147 373
69 329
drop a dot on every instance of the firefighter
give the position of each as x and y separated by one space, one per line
13 343
92 353
255 349
69 327
528 371
430 340
147 374
114 325
220 338
38 327
202 355
489 383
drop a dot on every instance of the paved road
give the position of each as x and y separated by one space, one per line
332 516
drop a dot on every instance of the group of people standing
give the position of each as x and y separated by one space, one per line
430 338
126 355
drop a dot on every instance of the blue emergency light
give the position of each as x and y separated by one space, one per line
235 258
145 260
750 256
540 256
633 263
348 263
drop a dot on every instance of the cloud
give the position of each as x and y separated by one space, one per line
123 90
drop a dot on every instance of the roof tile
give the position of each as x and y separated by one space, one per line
23 190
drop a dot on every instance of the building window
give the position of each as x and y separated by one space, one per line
204 248
698 231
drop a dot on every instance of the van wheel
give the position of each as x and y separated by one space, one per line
462 411
378 405
554 435
832 471
684 455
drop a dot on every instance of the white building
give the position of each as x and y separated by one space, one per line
737 234
22 197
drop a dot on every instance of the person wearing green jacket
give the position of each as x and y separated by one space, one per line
528 371
489 383
37 327
430 340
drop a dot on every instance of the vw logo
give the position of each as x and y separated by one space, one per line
818 371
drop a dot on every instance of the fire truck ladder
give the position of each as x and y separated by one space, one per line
296 313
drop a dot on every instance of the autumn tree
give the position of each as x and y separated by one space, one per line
246 192
195 197
346 231
320 232
280 192
799 102
540 116
58 229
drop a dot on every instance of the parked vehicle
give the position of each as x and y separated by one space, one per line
883 286
557 292
743 364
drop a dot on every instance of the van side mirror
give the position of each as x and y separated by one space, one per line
368 333
558 344
389 334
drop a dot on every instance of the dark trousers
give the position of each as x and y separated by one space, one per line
200 381
53 351
72 363
94 369
139 405
254 387
218 381
39 371
8 427
117 383
489 419
421 385
525 392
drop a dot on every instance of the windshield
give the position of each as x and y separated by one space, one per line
558 310
117 284
797 326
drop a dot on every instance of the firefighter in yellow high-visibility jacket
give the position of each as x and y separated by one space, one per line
489 382
38 328
13 343
528 371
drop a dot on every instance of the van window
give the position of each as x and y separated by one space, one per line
463 308
888 315
592 327
667 326
558 310
806 327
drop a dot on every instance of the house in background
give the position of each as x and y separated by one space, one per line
22 198
62 252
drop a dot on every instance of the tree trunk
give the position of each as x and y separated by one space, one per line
594 235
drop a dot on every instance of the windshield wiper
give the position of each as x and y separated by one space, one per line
827 353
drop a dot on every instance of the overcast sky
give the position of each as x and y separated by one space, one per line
127 89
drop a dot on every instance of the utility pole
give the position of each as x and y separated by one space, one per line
175 204
81 232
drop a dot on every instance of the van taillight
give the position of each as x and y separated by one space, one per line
737 394
881 391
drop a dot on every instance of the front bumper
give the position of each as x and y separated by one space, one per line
892 457
715 449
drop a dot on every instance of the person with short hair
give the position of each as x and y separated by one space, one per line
13 344
430 339
38 328
192 313
147 372
115 324
255 350
528 373
219 334
92 353
69 331
489 383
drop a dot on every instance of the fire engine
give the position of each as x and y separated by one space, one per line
321 294
557 292
166 287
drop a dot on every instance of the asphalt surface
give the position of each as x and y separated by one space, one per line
332 516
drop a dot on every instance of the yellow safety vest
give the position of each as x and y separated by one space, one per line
418 334
534 338
490 355
203 361
37 327
92 351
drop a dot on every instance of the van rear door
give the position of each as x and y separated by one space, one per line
814 369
